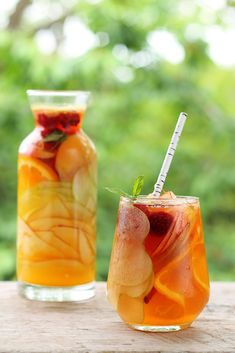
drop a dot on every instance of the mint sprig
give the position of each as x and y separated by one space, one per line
55 136
136 189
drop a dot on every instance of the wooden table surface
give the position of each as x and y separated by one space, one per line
39 327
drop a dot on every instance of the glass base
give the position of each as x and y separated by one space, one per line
170 328
57 294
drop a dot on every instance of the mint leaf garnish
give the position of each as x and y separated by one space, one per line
136 190
137 187
54 136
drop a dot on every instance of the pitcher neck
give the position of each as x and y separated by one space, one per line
60 111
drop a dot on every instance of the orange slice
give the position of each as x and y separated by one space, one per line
32 171
175 279
162 310
200 270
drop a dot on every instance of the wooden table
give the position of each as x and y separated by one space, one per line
34 327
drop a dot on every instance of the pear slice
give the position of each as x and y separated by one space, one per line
131 310
92 170
140 290
33 248
51 239
113 292
91 202
50 222
88 229
69 235
29 203
78 211
58 185
74 153
92 241
22 227
130 265
64 192
57 272
54 208
133 223
87 255
83 188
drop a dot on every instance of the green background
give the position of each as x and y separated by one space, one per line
134 107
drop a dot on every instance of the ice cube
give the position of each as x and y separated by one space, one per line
168 195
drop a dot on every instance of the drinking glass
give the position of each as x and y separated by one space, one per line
158 277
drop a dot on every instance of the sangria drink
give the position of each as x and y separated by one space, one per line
56 232
158 278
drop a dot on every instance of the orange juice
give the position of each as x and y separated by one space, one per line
158 277
56 203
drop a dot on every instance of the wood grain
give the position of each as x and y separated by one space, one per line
34 327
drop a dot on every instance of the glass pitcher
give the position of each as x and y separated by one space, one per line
56 231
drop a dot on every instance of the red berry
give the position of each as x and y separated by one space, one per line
42 119
160 222
64 121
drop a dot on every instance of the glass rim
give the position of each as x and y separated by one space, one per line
56 93
153 200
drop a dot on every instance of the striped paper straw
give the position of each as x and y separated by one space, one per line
169 155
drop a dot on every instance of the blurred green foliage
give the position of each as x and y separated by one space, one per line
130 120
